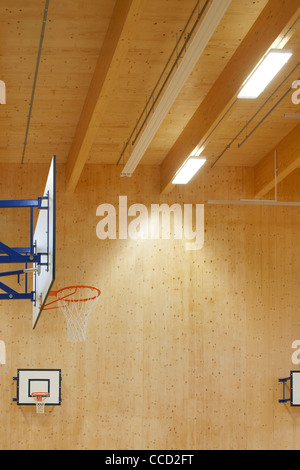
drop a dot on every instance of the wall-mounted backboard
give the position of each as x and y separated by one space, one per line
294 381
44 239
295 388
38 380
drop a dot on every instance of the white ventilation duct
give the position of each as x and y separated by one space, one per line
185 68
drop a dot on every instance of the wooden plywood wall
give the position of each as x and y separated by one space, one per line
185 348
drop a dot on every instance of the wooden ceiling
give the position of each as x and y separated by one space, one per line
99 62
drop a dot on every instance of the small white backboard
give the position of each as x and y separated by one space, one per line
38 380
295 388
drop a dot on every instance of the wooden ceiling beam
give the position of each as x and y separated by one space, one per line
287 159
125 17
274 18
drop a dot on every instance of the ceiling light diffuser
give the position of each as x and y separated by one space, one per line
188 170
264 73
197 151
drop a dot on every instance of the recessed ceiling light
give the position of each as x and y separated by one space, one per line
188 170
264 73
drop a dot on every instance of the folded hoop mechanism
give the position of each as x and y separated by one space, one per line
76 303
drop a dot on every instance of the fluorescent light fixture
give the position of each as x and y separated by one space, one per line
188 170
264 73
197 151
204 33
292 115
2 92
255 202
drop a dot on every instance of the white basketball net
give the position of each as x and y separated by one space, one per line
40 407
40 403
77 307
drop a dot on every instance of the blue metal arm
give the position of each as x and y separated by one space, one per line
12 294
24 203
21 255
20 203
14 255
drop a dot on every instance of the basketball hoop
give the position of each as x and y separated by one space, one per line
76 303
39 398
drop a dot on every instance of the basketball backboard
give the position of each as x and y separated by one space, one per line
295 388
38 380
44 240
294 380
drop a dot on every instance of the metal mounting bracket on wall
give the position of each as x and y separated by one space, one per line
259 202
284 399
23 255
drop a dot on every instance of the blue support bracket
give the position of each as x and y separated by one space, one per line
15 255
16 272
284 381
20 203
12 294
16 379
21 255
